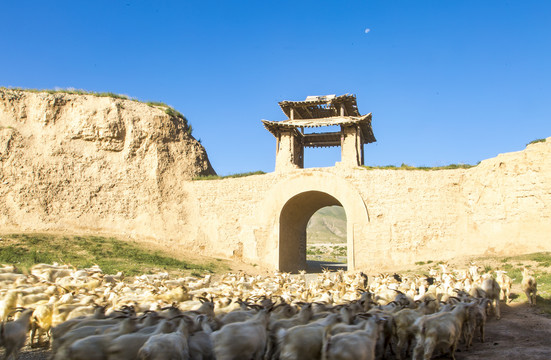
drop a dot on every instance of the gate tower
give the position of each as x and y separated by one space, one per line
319 111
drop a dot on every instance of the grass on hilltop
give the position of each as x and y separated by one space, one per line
169 110
217 177
425 168
112 255
536 141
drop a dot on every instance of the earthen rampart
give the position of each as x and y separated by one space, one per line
394 217
109 166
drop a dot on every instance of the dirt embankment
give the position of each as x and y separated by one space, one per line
84 163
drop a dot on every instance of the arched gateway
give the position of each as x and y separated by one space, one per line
293 202
290 205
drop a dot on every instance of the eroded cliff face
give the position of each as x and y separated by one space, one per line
83 162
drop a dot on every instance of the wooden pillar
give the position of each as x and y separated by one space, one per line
289 154
342 142
351 147
300 162
359 145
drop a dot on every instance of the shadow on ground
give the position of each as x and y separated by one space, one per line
316 267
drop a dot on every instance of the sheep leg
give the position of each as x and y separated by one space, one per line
529 296
409 349
429 348
417 351
469 336
482 325
43 337
465 334
452 349
33 333
388 344
10 352
271 348
34 328
402 340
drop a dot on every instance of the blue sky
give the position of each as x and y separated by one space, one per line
446 81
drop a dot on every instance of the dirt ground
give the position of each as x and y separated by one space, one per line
521 333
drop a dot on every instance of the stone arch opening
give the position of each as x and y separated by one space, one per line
326 239
293 221
290 203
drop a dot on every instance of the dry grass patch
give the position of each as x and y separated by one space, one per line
111 254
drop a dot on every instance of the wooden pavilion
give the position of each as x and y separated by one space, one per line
319 111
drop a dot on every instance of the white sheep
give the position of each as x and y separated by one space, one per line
94 347
304 341
529 286
492 290
440 330
13 334
172 346
404 320
242 340
8 304
476 321
303 317
41 320
505 283
62 342
356 345
200 345
127 346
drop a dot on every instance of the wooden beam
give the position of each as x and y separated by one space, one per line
308 112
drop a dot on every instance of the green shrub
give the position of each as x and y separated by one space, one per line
156 103
217 177
174 113
536 141
425 168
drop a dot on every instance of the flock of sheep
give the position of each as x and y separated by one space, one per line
87 315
